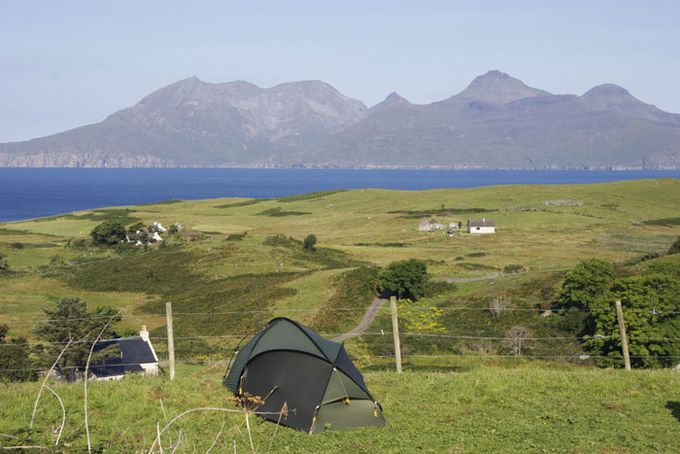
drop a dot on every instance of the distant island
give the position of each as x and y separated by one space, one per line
497 122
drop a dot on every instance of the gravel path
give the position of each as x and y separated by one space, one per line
365 322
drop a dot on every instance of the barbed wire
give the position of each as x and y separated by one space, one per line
438 335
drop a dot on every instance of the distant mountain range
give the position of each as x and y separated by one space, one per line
496 122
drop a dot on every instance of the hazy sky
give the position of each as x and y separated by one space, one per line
67 63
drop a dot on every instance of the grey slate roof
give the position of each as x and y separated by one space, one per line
484 222
134 351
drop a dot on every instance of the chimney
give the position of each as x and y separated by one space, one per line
144 334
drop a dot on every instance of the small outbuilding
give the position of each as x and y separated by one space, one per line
288 364
481 226
429 225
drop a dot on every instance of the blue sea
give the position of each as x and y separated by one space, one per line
31 193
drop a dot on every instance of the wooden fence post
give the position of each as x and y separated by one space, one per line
171 340
622 330
395 332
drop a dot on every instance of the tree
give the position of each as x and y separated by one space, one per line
108 233
585 283
15 361
650 307
675 247
404 278
4 265
71 320
517 340
309 243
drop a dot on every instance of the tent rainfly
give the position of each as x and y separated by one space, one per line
289 363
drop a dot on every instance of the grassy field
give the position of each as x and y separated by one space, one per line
244 260
526 408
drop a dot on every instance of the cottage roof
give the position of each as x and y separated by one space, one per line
134 351
484 222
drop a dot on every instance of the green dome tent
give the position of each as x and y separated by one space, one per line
289 363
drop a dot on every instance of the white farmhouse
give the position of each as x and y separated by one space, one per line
481 226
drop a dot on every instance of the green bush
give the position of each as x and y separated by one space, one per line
108 233
70 320
4 264
650 307
675 247
513 269
309 244
585 283
405 279
15 362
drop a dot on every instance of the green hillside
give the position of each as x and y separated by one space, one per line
240 262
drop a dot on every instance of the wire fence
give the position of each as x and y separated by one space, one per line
440 336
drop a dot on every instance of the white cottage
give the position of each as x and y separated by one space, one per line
481 226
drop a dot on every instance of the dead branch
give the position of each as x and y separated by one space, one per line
8 448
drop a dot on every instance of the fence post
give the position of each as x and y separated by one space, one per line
395 332
171 339
622 330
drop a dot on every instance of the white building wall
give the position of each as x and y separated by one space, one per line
481 230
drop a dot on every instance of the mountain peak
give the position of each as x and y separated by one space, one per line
497 87
607 90
393 99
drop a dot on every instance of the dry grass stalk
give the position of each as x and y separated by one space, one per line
86 379
283 414
217 437
47 376
201 409
63 414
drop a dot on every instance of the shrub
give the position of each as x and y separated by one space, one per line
585 283
15 362
309 243
517 340
71 319
4 264
108 233
675 247
405 278
650 312
76 243
498 305
513 269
